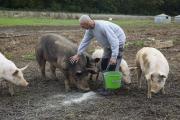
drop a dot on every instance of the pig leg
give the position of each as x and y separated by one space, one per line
41 61
66 81
67 87
53 71
42 68
149 89
3 83
72 81
139 72
97 76
91 76
163 91
11 89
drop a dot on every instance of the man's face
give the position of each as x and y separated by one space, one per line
85 25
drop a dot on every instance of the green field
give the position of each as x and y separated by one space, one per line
36 22
74 22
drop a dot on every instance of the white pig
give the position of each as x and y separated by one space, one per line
154 65
12 74
97 55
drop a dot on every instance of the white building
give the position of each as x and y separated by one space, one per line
177 19
162 18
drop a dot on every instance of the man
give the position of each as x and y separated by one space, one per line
110 36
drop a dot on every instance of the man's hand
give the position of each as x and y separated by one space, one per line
74 58
112 61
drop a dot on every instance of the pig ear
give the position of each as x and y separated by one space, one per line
15 73
96 60
162 76
91 70
89 61
132 68
22 69
151 76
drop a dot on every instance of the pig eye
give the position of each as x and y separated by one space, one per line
161 80
15 73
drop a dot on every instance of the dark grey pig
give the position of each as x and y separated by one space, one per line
57 50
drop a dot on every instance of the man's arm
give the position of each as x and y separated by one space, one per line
85 42
82 47
113 40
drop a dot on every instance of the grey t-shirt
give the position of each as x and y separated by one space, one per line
108 34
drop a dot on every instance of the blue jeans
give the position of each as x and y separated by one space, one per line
106 58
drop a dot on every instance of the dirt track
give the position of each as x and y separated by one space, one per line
46 99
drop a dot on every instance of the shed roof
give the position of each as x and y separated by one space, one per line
162 15
177 16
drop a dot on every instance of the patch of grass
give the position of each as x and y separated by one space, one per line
8 55
144 23
176 41
125 23
134 22
29 56
136 43
37 22
139 43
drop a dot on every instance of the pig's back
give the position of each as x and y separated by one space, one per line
57 41
2 57
55 45
1 63
5 63
124 67
156 59
4 60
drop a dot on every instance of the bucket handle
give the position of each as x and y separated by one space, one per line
107 68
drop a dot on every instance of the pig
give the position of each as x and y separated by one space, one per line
97 55
57 50
155 67
10 73
125 72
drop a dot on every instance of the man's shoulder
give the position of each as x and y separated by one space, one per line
105 23
101 21
101 24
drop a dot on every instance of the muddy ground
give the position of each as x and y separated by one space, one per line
47 99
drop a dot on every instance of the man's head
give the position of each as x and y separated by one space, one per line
86 22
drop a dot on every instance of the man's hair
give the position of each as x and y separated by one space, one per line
84 18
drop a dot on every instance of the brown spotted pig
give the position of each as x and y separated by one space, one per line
57 50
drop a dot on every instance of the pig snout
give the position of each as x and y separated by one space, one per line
25 83
126 80
78 73
82 84
154 91
85 87
155 88
22 83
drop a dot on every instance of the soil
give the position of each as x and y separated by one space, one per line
43 99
